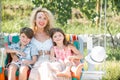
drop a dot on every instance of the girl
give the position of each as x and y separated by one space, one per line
65 53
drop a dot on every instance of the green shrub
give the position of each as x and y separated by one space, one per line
113 53
13 26
112 70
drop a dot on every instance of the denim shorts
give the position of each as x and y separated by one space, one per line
18 64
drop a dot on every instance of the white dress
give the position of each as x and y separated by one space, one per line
42 68
41 46
49 69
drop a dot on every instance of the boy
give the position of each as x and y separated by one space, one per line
24 54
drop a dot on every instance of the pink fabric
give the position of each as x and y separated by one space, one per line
10 38
6 45
62 54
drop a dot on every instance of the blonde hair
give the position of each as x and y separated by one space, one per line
47 13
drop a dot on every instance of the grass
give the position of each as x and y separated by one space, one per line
112 70
16 2
14 25
15 15
80 28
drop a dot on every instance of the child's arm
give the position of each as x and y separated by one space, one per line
8 50
76 53
12 53
27 62
52 55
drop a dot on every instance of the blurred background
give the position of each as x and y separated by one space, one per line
81 17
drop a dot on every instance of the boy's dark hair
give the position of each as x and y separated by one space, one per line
27 31
54 30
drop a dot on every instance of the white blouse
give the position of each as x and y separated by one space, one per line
46 45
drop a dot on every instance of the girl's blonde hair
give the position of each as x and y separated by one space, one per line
47 13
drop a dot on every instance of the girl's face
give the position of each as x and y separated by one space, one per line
24 40
58 37
41 20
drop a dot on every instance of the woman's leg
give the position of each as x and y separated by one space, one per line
12 72
23 72
49 70
34 74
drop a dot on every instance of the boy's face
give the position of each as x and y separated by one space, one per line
24 40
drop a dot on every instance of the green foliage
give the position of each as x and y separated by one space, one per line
88 8
16 2
112 70
62 8
113 53
15 15
13 26
115 6
79 28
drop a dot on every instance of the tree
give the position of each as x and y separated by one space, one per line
115 6
62 8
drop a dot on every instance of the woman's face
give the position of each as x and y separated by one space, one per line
58 37
41 20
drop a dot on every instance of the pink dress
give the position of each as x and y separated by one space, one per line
62 54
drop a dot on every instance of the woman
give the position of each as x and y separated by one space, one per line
41 22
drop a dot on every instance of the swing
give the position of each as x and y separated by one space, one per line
2 77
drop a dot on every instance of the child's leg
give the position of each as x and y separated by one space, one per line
76 71
12 71
66 72
23 72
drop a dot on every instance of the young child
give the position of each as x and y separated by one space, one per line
65 53
23 53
